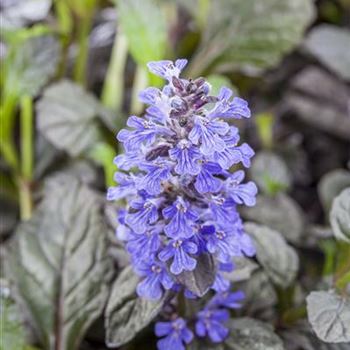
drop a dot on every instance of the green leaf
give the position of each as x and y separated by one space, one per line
340 216
81 170
23 12
201 278
200 344
270 172
260 294
30 65
301 336
313 100
331 185
59 264
46 156
68 118
329 315
143 23
12 332
279 259
280 213
250 334
250 35
330 44
126 313
245 334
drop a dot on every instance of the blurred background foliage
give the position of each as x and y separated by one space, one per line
71 71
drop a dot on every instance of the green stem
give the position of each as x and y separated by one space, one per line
65 22
103 153
181 305
140 82
26 123
293 315
342 271
7 119
26 127
84 27
113 89
329 249
25 199
343 281
285 298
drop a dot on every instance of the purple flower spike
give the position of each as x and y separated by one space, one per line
228 300
245 153
156 173
247 245
224 108
175 334
206 181
179 250
187 158
156 279
167 69
221 284
142 246
145 131
224 244
126 188
224 210
210 322
208 135
144 212
150 95
241 193
182 218
180 197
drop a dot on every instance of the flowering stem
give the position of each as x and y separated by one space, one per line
342 272
26 123
181 304
329 251
140 82
25 199
27 137
285 298
343 281
83 42
7 117
65 22
293 315
103 154
112 93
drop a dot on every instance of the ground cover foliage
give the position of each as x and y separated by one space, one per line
71 72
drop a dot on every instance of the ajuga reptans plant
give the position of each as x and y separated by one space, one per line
182 198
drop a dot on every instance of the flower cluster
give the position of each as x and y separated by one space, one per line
208 322
181 196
